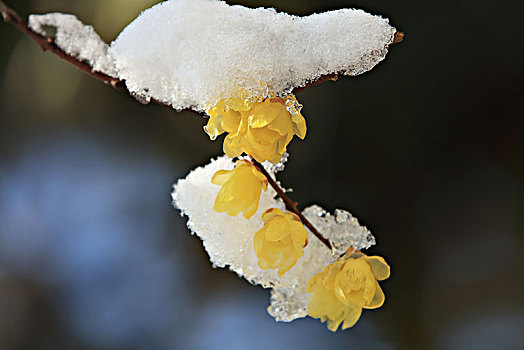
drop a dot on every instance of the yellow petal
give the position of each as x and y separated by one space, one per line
220 177
239 132
299 125
286 265
316 306
281 144
260 176
270 156
282 123
222 206
331 274
262 138
314 282
299 232
378 299
271 213
277 229
333 324
213 127
352 314
258 240
231 121
263 114
251 209
369 289
341 296
230 150
379 267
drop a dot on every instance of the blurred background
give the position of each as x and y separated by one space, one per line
427 150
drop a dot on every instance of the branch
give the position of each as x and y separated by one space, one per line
290 204
47 44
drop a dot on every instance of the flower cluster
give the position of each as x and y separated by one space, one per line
280 242
308 275
261 129
231 241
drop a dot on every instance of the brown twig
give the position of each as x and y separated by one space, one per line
47 44
290 204
321 79
399 36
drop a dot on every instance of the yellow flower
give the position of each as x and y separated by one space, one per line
345 287
241 189
279 244
262 129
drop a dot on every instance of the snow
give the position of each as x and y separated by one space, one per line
192 53
77 39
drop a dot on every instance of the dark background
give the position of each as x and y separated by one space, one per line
426 150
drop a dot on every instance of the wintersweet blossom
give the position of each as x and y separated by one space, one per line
241 188
262 129
345 287
279 244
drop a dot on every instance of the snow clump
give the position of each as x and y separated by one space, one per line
193 53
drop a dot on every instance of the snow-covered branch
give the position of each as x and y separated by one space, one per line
241 67
62 48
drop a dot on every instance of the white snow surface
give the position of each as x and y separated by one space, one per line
77 39
229 240
192 53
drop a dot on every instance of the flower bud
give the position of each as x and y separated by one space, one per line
241 189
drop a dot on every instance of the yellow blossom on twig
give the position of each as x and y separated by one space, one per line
345 287
279 244
241 188
262 129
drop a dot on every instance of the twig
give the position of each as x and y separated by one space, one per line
321 79
290 204
47 44
399 36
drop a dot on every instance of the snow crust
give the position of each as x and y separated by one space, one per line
192 53
229 240
77 39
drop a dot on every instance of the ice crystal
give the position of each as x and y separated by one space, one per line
77 39
193 53
341 229
273 168
229 240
